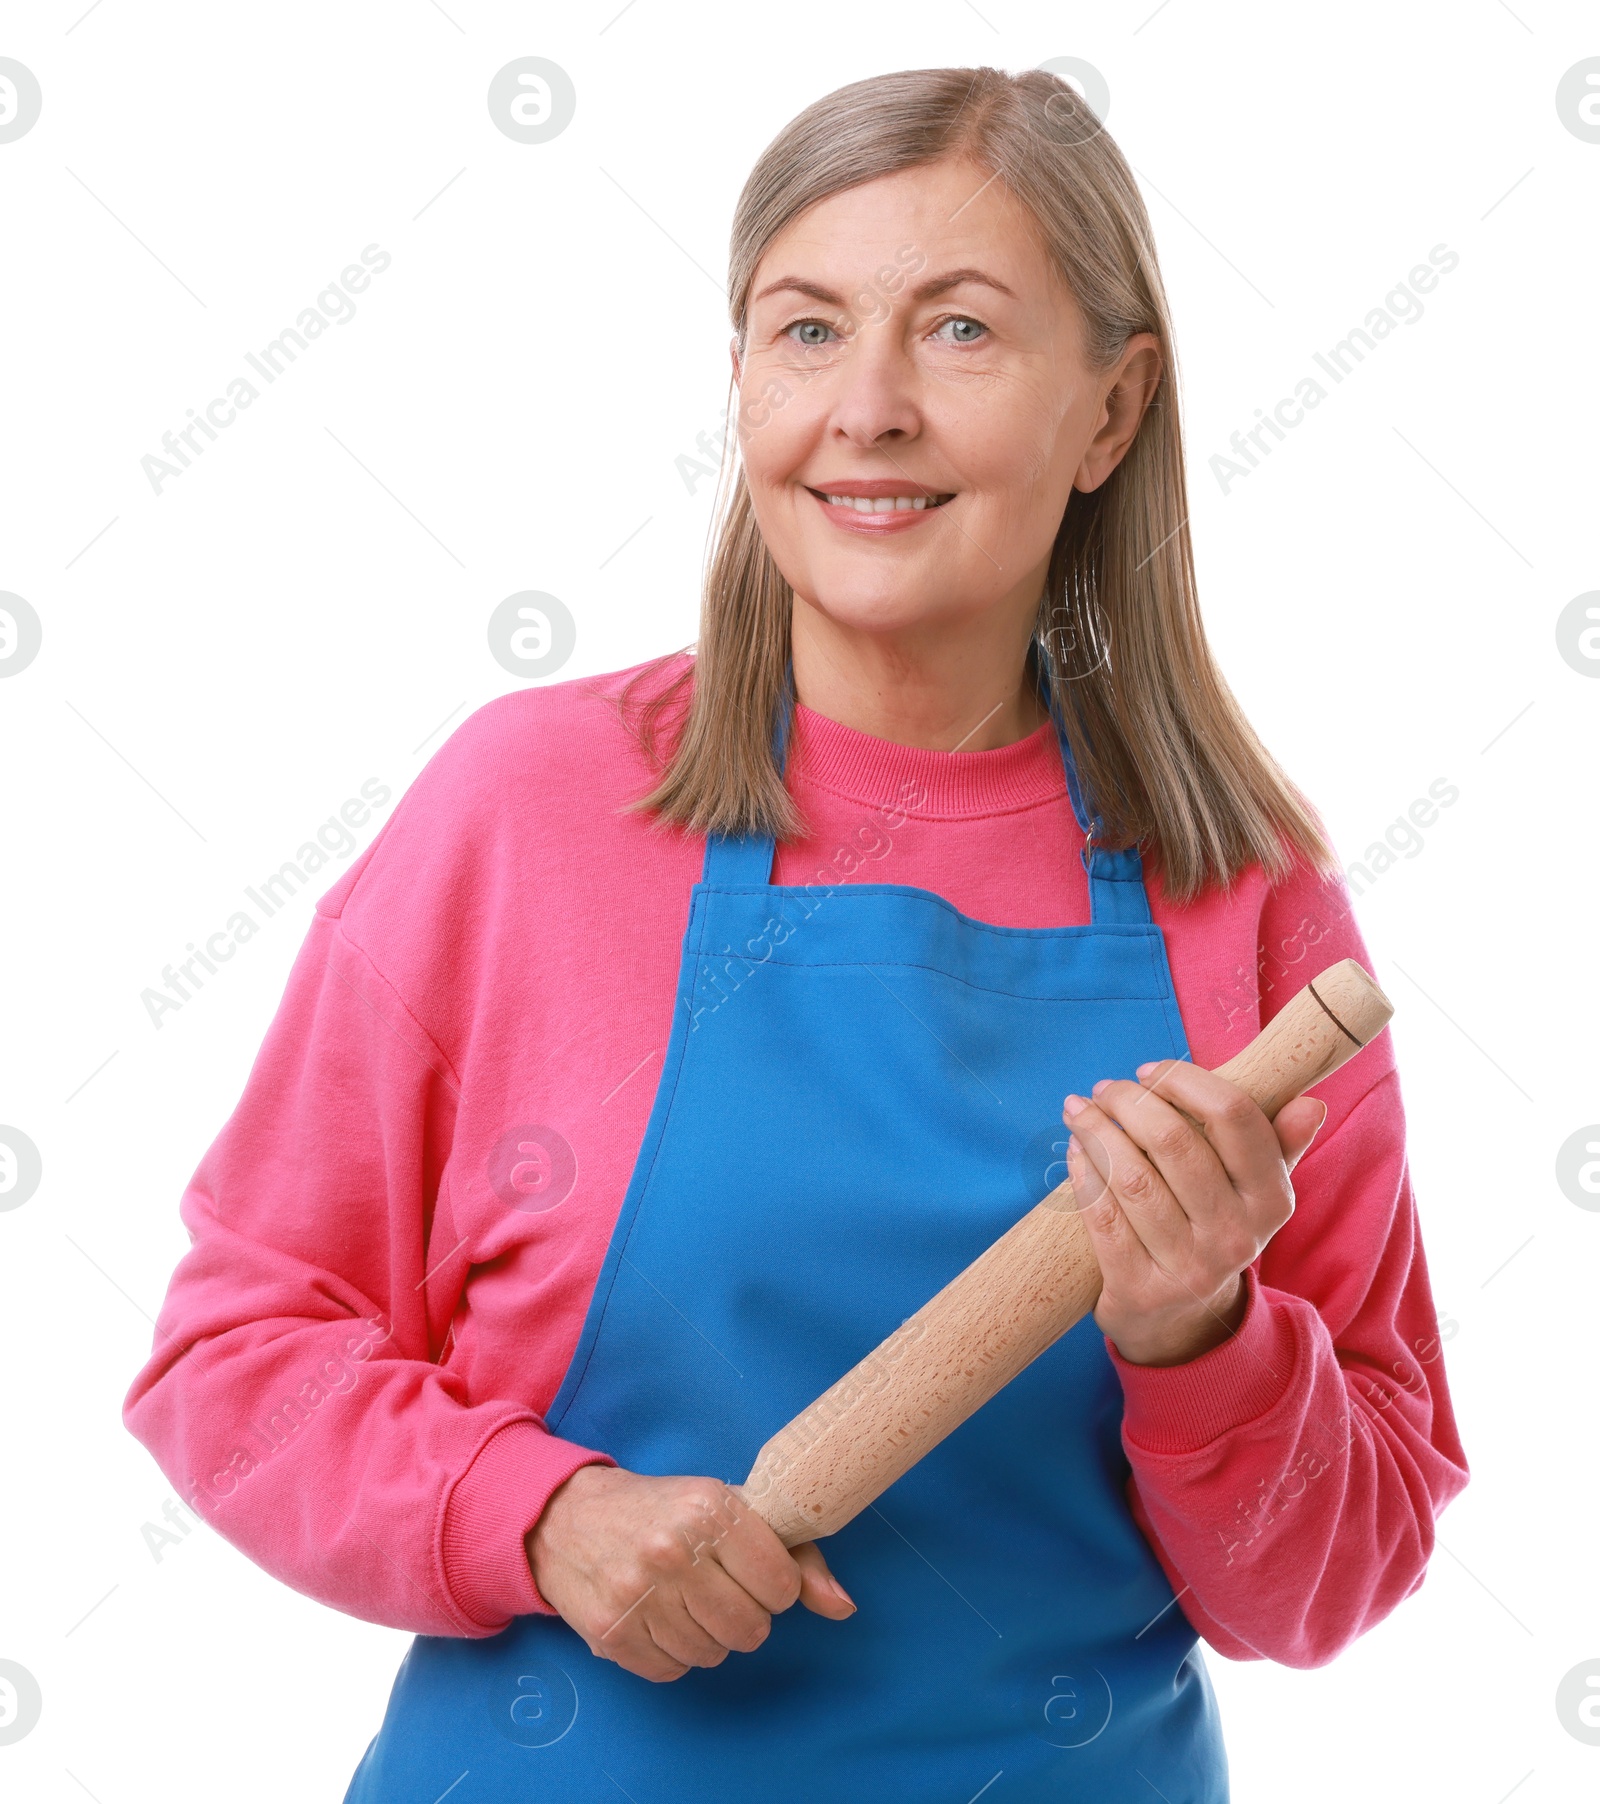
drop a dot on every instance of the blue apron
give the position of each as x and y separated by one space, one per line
862 1090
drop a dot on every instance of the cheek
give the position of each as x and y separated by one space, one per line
1045 474
1009 440
777 432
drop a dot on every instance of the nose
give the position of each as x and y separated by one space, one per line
875 400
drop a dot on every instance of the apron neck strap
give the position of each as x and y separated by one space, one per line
744 863
1117 892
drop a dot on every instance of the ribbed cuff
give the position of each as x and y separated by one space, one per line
1180 1409
495 1502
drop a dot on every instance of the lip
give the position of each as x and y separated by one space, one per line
875 488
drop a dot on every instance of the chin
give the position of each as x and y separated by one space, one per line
880 607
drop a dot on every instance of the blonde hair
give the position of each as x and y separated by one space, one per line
1164 753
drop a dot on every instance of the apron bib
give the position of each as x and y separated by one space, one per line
862 1091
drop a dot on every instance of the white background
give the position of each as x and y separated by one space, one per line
223 664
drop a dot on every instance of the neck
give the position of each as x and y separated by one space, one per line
950 689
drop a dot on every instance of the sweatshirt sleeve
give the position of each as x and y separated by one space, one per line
1290 1478
295 1394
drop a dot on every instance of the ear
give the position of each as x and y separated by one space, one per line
1131 389
733 358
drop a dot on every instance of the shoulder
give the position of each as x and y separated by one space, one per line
1306 922
1242 951
1301 904
562 746
532 773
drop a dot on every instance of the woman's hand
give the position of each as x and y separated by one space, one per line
1176 1215
661 1574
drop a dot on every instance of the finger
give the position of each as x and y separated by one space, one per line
1139 1189
648 1661
632 1649
1175 1147
1124 1259
680 1637
753 1557
820 1591
1297 1124
650 1631
1232 1121
626 1640
725 1610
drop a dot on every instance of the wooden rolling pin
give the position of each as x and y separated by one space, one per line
1015 1300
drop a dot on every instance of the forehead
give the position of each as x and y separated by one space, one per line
954 213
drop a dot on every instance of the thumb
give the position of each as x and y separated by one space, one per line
1296 1125
820 1591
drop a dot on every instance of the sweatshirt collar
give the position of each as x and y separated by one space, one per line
922 782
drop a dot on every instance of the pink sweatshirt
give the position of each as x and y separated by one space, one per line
353 1356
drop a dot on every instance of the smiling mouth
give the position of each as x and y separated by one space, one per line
908 502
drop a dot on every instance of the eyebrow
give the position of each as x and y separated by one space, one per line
924 291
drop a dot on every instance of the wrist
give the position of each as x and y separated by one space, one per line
571 1495
1201 1329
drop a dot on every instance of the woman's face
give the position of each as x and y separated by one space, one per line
915 407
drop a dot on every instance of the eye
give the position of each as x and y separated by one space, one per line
809 332
961 330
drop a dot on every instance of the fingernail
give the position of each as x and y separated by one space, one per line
1074 1151
1074 1105
1100 1086
843 1594
1318 1128
1144 1070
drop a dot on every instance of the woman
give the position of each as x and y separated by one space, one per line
683 1031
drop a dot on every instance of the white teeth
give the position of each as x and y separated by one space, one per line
882 504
